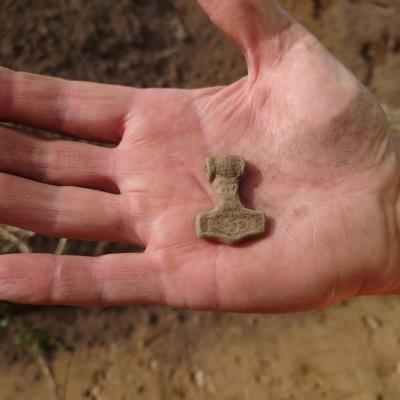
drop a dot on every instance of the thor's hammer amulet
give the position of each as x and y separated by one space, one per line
230 222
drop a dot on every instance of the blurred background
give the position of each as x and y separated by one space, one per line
351 351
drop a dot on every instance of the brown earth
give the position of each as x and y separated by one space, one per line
351 351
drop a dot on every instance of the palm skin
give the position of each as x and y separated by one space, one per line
322 165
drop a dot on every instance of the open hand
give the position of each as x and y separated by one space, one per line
323 167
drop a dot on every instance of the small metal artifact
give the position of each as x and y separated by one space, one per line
230 222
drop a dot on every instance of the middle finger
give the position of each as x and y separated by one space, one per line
57 162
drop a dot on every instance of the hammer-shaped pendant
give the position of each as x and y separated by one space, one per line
230 222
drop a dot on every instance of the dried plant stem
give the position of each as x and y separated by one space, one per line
393 115
13 241
62 243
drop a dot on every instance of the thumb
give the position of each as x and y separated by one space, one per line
256 26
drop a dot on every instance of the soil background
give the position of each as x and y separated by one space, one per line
350 352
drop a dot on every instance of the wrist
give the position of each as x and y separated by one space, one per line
382 276
396 140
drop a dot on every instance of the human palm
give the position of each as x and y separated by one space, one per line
321 163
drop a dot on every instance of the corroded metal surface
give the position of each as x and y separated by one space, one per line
230 222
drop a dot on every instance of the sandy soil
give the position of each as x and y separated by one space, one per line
349 352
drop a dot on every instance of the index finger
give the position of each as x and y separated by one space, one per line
87 110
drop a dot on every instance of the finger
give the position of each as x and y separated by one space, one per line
251 24
56 162
88 110
80 281
64 211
